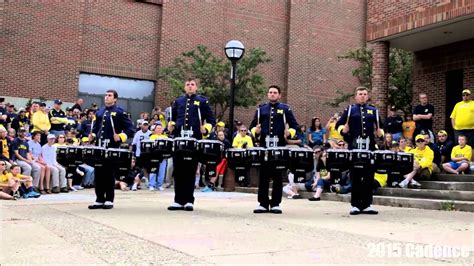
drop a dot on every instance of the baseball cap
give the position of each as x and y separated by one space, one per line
393 108
419 136
172 123
221 124
21 110
58 101
442 132
466 91
42 104
145 123
51 136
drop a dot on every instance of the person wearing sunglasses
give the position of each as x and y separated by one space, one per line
242 140
422 163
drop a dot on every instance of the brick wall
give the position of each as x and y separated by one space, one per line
430 74
261 24
388 17
319 32
48 43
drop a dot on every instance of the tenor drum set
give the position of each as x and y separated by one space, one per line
73 156
394 164
297 160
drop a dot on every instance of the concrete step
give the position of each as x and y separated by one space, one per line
427 193
420 203
448 185
453 178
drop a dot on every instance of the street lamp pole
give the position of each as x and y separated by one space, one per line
232 96
234 50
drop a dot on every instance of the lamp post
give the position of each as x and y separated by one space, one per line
234 50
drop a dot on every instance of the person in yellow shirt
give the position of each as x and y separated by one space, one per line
242 140
333 136
403 145
462 118
5 187
23 183
41 123
157 172
422 163
460 156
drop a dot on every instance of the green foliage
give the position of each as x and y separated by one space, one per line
400 76
213 73
448 206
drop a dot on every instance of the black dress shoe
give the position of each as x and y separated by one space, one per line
260 209
107 206
95 206
175 207
314 199
64 190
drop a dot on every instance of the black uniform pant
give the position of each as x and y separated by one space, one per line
362 184
185 165
268 171
105 181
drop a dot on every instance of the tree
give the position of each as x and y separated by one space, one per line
400 76
213 74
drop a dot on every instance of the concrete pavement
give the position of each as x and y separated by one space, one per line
59 229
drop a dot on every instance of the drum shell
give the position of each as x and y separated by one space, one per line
301 160
404 162
255 156
164 148
236 158
384 161
361 158
147 147
61 155
74 155
185 147
120 159
93 155
278 157
210 151
338 160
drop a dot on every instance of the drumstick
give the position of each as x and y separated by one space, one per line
258 116
199 115
92 126
112 122
377 114
348 114
171 115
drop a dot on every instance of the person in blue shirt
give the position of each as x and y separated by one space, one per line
316 133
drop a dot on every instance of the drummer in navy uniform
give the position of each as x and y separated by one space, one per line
360 123
111 128
190 112
271 120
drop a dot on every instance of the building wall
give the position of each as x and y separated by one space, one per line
387 17
320 31
48 43
430 74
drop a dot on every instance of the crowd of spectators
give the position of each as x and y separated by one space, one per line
30 135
